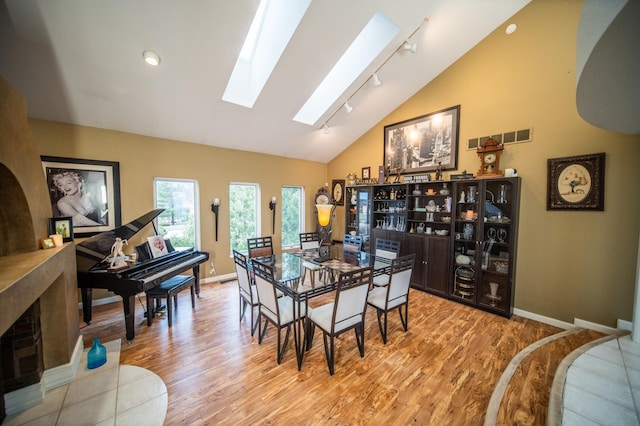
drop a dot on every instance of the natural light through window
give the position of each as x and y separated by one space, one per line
375 36
272 28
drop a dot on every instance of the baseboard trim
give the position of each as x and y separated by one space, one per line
30 396
541 318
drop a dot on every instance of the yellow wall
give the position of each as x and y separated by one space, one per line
571 264
143 158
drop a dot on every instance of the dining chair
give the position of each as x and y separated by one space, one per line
260 246
385 252
352 242
310 241
394 295
279 311
248 290
346 312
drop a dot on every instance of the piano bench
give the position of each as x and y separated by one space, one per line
169 290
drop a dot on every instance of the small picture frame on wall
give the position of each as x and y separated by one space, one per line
576 183
62 226
366 172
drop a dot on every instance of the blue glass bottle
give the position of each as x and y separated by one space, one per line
97 355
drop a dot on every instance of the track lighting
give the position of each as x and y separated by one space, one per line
375 80
325 128
411 47
151 58
348 108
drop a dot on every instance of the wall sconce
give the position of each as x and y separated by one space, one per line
214 208
272 207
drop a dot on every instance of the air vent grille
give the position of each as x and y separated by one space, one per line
514 136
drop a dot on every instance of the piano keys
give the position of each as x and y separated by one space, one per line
94 271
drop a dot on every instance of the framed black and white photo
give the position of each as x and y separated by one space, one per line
576 183
423 143
87 191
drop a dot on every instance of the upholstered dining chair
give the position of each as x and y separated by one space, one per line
248 291
385 252
279 311
310 241
260 246
394 295
352 242
346 312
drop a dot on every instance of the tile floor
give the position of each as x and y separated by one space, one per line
112 394
602 386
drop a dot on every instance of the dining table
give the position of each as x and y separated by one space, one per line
288 273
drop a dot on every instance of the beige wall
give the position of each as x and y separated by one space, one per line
143 158
571 264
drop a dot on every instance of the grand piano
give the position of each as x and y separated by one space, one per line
94 269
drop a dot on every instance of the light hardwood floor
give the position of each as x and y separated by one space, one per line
442 371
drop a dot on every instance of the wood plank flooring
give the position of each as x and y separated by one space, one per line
442 371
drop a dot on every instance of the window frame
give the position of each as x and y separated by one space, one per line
196 205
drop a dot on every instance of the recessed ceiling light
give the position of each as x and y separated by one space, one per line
151 58
511 28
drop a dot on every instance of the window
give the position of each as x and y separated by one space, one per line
179 221
243 214
292 215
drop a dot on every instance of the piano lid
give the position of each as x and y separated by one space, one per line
95 249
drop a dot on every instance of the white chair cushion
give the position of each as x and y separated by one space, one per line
311 266
286 306
322 316
247 297
378 297
381 280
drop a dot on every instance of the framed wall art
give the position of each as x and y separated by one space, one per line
87 191
422 143
62 226
366 172
337 191
576 183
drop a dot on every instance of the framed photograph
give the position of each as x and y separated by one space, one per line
421 144
576 183
87 191
366 173
62 226
47 243
337 191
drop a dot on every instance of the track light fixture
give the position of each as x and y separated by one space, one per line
374 79
410 47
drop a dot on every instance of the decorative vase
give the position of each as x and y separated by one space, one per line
97 355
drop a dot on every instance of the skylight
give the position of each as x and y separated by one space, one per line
374 37
272 28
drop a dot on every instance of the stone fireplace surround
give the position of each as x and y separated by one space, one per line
28 273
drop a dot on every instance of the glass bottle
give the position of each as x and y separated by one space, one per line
97 355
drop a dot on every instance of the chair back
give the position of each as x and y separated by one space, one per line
260 246
309 240
242 271
266 291
400 280
352 243
351 298
387 249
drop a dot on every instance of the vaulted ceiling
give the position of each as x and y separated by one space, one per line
80 62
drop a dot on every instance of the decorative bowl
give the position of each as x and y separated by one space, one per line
442 232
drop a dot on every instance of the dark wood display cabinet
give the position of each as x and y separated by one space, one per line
464 234
485 227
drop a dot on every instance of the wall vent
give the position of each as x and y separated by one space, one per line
514 136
